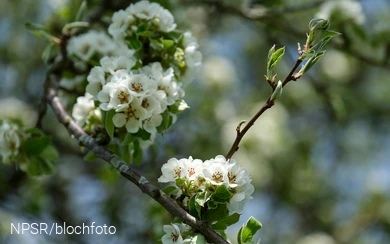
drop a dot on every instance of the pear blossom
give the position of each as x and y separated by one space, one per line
215 172
96 79
172 170
207 176
151 105
192 57
132 116
124 22
82 108
141 84
173 235
112 64
144 10
120 22
151 123
346 10
95 44
241 196
10 140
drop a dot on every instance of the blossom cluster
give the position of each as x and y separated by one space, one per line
124 22
207 176
11 137
95 45
180 234
138 73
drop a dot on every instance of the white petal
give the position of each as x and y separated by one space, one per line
119 120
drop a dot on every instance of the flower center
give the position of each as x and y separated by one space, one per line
145 103
174 237
191 171
232 177
217 176
177 171
123 97
130 113
137 87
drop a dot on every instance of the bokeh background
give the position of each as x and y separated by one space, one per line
319 159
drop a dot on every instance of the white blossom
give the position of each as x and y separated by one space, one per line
120 22
151 124
215 171
112 64
130 115
343 9
164 21
82 108
96 79
193 58
10 140
172 170
96 44
124 22
165 82
173 235
144 10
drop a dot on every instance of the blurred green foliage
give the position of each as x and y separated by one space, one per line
319 158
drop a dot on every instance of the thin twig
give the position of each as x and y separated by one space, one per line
141 182
268 104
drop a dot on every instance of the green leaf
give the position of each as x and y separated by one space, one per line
47 52
50 153
175 35
194 208
126 153
156 44
310 63
41 31
212 205
239 235
216 214
180 182
81 12
143 134
34 146
318 24
329 33
129 138
133 42
178 107
277 92
169 189
145 33
198 239
166 122
249 230
109 124
74 25
202 198
35 132
274 58
167 43
223 192
90 156
36 27
137 153
270 52
223 223
38 166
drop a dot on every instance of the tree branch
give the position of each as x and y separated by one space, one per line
141 182
268 104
